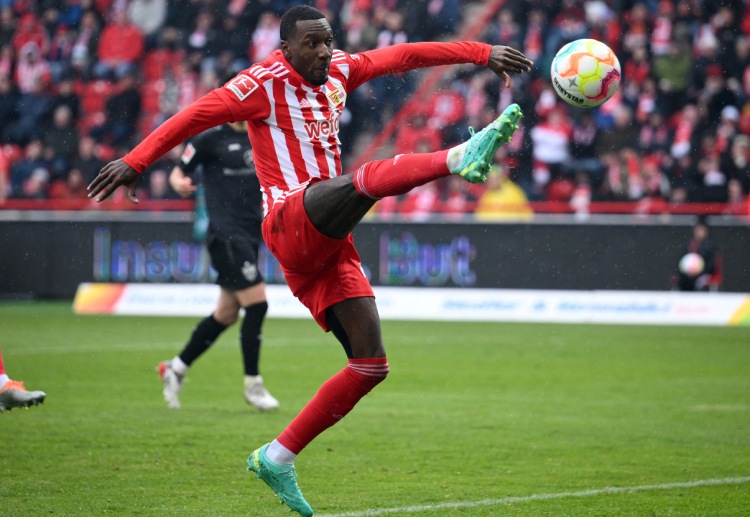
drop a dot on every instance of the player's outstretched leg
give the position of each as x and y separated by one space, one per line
472 160
172 382
281 478
13 394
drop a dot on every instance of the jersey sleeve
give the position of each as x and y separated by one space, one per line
242 98
208 111
409 56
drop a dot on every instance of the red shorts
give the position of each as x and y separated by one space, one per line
319 270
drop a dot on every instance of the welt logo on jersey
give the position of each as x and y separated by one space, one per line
323 128
242 86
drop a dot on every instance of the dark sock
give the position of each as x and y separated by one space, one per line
204 335
250 335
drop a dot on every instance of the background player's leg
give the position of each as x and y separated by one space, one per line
204 335
207 331
253 300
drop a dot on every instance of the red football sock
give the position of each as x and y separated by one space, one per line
335 398
400 174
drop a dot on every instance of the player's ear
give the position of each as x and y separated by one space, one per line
286 50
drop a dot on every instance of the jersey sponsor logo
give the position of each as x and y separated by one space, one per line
242 86
337 96
323 128
245 171
234 147
188 153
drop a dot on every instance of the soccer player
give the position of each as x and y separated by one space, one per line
293 103
13 394
233 203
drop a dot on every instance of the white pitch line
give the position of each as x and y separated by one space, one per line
540 497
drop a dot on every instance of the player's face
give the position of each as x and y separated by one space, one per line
309 50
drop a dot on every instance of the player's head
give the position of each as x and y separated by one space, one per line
307 42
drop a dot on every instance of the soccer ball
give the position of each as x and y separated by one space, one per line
585 73
692 264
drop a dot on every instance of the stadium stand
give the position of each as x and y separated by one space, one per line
675 138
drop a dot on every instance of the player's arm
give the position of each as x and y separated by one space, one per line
208 111
409 56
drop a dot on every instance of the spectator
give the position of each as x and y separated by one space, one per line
7 26
148 17
446 111
71 186
623 134
7 60
33 73
30 30
60 52
673 74
655 136
415 132
681 174
391 91
716 94
30 175
9 98
86 44
67 96
265 37
120 47
87 160
158 186
735 161
502 199
712 186
122 111
61 141
551 147
33 103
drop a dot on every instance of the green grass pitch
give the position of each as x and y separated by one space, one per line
476 419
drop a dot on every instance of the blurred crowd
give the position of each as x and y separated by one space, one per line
82 81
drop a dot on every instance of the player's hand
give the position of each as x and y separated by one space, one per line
111 176
183 185
507 60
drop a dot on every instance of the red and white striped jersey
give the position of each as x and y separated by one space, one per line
293 126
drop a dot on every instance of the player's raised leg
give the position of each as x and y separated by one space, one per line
472 159
336 206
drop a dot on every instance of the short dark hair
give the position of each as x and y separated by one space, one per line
296 14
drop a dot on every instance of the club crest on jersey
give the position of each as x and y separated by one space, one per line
250 271
242 86
336 96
